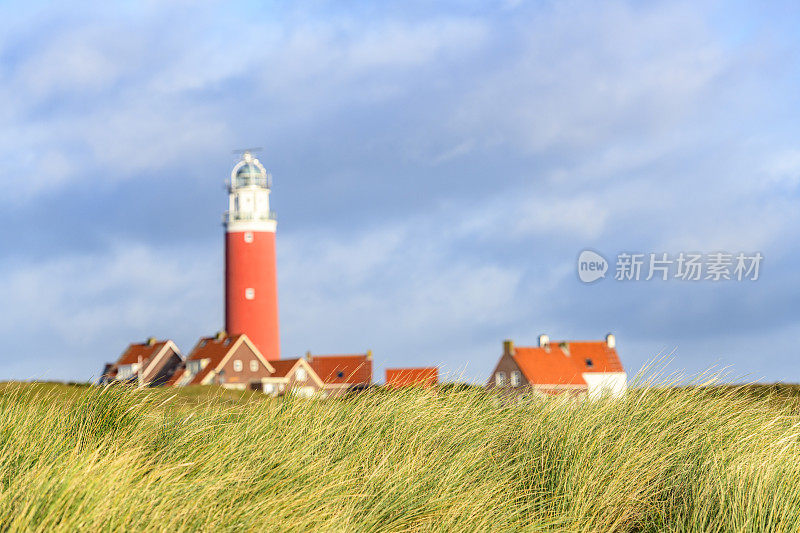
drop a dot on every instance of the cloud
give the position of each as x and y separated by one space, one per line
437 171
589 73
75 312
122 98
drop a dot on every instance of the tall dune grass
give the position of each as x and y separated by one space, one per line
662 459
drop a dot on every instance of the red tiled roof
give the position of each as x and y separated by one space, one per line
210 348
602 358
142 350
403 377
343 369
564 362
282 367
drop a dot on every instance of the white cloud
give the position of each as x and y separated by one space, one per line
73 313
591 73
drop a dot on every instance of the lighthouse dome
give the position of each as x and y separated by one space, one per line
250 173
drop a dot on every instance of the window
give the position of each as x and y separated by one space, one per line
500 379
126 372
249 293
248 236
237 366
305 392
269 388
253 366
516 378
589 363
301 375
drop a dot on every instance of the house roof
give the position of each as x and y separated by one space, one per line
212 348
564 362
282 367
402 377
144 350
354 369
216 350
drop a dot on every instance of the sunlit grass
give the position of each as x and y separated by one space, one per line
690 459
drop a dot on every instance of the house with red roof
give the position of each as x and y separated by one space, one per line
554 367
152 362
342 373
231 361
324 376
411 377
292 376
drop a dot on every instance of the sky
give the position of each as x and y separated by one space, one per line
437 170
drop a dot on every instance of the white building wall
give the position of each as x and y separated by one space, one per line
606 383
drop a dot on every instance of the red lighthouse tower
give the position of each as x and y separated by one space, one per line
251 284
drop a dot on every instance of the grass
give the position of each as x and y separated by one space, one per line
675 459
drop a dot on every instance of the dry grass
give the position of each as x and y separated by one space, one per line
662 459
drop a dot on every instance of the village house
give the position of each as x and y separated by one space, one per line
408 377
148 363
342 373
291 376
553 367
230 361
323 376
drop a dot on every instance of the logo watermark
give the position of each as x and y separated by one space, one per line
662 266
591 266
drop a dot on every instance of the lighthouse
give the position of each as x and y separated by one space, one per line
251 284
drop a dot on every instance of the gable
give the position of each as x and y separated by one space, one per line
242 365
167 355
507 365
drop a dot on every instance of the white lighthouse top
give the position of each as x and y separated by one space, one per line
248 197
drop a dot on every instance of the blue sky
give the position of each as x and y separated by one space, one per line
437 170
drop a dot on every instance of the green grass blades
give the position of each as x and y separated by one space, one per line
460 459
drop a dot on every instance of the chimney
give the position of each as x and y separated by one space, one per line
369 355
611 341
308 356
508 347
151 341
221 334
544 341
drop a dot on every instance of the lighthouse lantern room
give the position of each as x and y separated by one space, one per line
251 285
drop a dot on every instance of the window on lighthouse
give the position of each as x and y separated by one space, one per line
248 236
249 293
